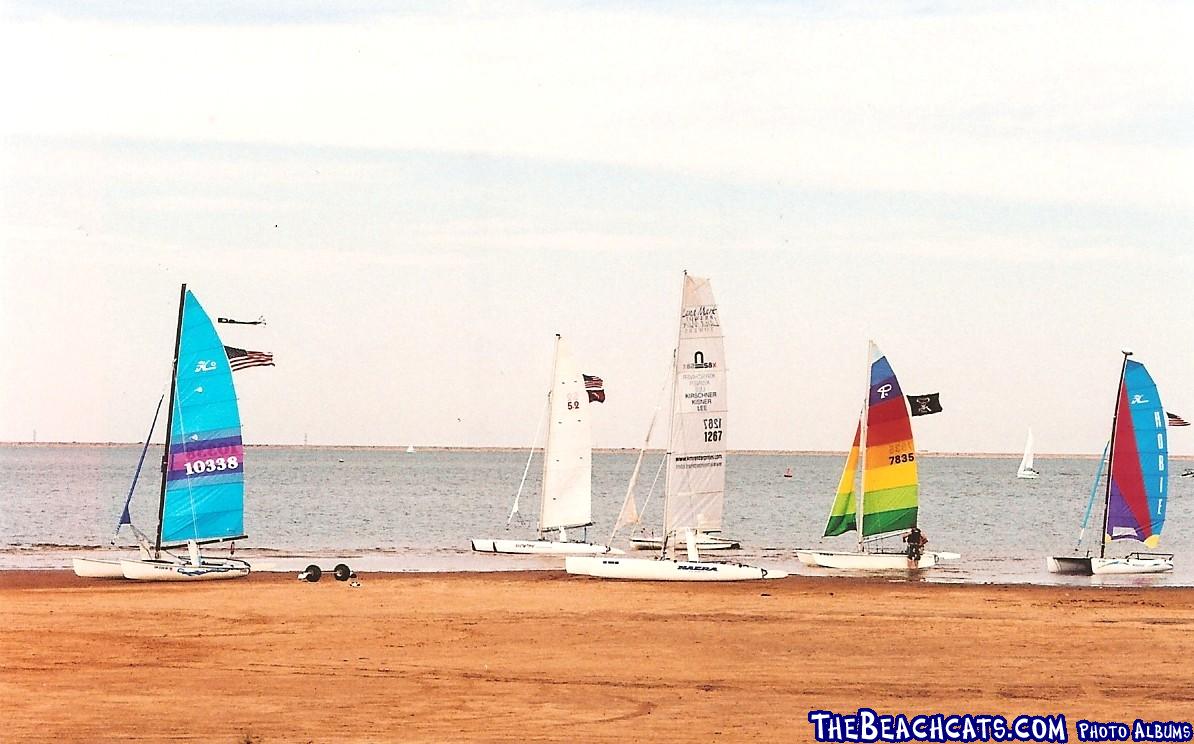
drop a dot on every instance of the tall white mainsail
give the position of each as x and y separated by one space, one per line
695 492
567 458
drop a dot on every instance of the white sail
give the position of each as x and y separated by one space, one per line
567 458
1025 470
695 493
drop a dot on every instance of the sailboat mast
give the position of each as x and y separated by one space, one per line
671 429
182 301
1123 371
555 361
866 409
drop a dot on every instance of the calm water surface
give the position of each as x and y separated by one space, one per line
389 510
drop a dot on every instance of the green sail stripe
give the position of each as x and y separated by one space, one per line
890 499
839 524
889 521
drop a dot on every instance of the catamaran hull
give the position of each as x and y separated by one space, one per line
95 568
208 569
649 569
1027 475
542 547
865 561
1091 566
1130 565
704 542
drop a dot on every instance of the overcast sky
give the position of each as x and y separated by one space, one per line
417 196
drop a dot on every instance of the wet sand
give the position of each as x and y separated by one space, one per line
546 657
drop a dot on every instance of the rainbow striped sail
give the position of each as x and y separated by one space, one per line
205 478
889 479
1137 491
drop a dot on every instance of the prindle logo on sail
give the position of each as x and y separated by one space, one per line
698 362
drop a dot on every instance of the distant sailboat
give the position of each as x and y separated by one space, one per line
1137 488
203 483
886 502
566 494
787 472
410 449
1026 470
694 494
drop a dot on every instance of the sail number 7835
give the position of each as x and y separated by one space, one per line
712 429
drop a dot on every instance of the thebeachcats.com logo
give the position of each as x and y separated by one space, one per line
867 726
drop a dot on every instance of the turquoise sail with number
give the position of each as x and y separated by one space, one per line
203 499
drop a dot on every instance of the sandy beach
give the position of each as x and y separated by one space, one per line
546 657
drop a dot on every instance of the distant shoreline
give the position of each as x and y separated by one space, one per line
599 450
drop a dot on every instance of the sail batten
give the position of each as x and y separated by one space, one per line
204 467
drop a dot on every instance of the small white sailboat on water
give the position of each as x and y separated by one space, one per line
566 495
694 491
1137 490
886 501
1026 470
202 492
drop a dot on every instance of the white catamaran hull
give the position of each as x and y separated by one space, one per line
650 569
705 542
867 561
165 570
1090 566
1029 474
542 547
96 568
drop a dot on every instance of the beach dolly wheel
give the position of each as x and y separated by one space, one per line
311 573
342 572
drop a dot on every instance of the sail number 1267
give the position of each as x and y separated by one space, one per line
712 430
212 465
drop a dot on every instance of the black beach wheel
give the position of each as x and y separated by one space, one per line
313 573
342 572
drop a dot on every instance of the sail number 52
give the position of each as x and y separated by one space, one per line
712 430
212 465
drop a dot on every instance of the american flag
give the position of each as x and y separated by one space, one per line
1175 420
595 387
242 359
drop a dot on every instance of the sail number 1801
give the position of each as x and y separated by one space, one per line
712 430
212 465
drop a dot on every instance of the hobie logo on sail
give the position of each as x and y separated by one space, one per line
1138 398
205 366
698 362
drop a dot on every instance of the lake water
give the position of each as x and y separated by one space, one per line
388 510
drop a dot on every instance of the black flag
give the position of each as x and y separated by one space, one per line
260 321
923 405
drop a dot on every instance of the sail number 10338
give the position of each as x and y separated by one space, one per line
213 465
712 430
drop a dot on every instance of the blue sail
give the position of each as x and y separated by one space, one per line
205 482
